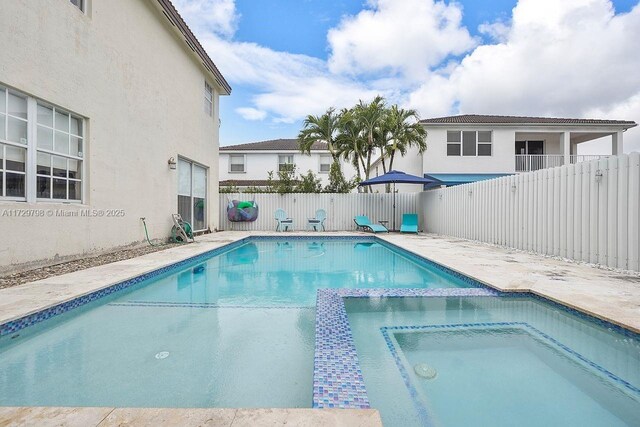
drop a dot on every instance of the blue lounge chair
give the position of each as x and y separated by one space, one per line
318 221
409 223
284 222
362 221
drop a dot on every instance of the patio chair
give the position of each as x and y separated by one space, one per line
284 222
362 221
409 223
318 221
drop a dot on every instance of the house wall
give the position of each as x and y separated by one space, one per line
122 68
502 160
258 165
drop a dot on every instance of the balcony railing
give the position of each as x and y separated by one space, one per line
534 162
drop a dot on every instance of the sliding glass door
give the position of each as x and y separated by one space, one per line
192 194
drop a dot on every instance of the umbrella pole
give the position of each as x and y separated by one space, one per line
394 206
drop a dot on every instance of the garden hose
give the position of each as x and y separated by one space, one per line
146 233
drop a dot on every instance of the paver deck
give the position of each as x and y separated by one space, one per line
152 417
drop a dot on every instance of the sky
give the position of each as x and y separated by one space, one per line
286 59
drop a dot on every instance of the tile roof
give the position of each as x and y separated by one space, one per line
273 145
493 119
171 13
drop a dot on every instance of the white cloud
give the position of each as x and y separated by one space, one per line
406 37
218 16
629 109
572 58
249 113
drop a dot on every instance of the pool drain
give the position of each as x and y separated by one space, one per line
162 355
425 371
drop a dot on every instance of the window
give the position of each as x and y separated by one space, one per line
79 4
208 99
55 137
325 163
284 160
236 163
469 143
192 194
13 144
59 137
453 143
484 142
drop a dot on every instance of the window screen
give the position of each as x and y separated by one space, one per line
469 143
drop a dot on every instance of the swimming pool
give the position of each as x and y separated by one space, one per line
234 328
498 360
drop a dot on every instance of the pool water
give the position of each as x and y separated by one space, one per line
235 330
498 361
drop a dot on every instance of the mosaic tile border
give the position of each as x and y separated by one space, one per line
337 377
160 304
422 411
16 325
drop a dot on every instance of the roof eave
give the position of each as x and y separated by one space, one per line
182 29
624 126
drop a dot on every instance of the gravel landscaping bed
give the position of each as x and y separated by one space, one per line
80 264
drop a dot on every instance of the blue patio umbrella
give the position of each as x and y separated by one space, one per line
393 177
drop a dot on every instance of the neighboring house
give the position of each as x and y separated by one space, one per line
248 165
100 102
472 147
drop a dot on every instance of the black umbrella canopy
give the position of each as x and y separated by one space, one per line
397 177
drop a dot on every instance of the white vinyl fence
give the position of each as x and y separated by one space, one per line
584 211
340 208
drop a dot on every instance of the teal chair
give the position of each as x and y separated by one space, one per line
362 221
318 221
409 223
284 222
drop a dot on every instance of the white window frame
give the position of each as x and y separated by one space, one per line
5 142
31 167
320 163
191 196
244 163
208 99
281 163
461 143
79 158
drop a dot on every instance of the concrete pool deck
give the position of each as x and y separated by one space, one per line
609 295
109 417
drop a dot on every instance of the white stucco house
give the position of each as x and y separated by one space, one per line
473 147
248 165
108 113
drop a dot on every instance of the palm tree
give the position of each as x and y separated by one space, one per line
350 142
320 129
369 117
403 131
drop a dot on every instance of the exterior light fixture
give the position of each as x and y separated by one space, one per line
513 188
470 192
440 196
172 163
598 175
